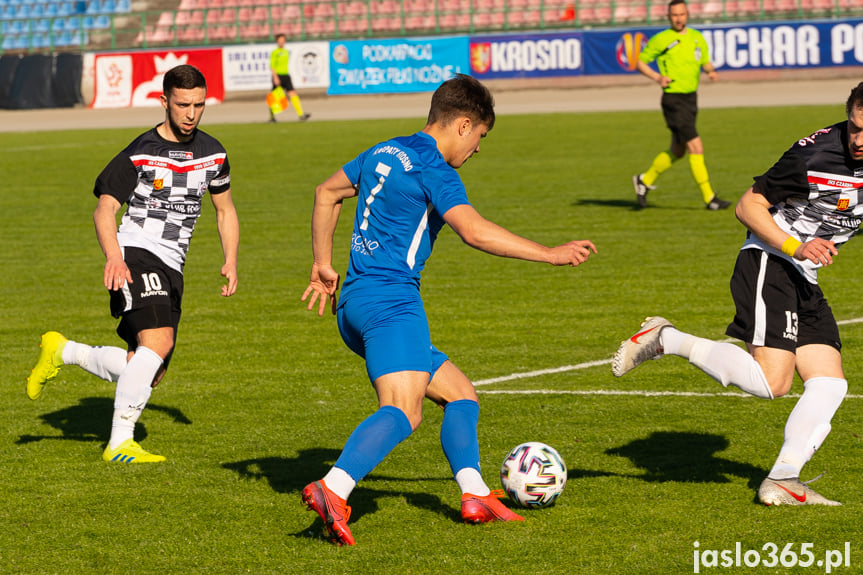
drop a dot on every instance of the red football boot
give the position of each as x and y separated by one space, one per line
476 509
333 510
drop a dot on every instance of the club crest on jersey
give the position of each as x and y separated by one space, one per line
158 184
843 204
180 155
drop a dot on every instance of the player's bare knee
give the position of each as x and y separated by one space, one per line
779 387
161 342
415 420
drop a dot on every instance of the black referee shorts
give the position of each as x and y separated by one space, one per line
287 84
680 111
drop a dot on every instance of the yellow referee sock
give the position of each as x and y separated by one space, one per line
699 173
660 163
295 102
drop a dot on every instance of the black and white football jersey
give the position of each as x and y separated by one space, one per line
815 189
163 184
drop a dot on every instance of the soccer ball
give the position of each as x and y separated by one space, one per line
533 474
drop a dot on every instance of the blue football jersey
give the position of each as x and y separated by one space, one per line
404 185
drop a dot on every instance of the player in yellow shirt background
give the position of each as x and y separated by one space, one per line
279 60
681 53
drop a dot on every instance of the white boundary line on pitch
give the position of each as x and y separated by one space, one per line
631 392
596 363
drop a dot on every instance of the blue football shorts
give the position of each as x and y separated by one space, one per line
391 334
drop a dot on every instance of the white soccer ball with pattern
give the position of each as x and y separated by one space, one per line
533 474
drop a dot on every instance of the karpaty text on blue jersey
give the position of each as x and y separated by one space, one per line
396 52
400 155
363 246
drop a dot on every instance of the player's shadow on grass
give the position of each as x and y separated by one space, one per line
686 457
289 475
608 203
624 203
90 420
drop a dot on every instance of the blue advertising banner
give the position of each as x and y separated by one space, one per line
527 55
397 65
786 45
616 51
794 44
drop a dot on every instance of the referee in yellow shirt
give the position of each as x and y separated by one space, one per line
279 59
681 54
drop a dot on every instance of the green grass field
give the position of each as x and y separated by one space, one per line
262 394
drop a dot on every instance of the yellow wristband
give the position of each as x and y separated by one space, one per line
790 246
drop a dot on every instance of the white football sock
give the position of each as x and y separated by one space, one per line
339 482
134 387
808 424
724 362
470 481
675 342
730 365
104 362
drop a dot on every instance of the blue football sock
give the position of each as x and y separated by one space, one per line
458 435
372 440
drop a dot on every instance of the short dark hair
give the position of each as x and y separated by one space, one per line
675 3
281 36
184 77
462 95
855 100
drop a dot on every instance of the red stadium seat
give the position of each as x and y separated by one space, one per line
713 10
780 7
630 12
818 7
192 34
165 19
595 15
385 7
386 23
419 22
747 7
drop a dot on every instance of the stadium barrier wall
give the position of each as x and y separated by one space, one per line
387 66
8 65
40 81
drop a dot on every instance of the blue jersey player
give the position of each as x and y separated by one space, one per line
407 188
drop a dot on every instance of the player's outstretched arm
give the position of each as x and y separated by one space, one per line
116 272
753 211
228 225
487 236
324 281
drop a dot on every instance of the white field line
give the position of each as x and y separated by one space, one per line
630 392
599 362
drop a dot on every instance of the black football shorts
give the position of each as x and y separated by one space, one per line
776 306
152 300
